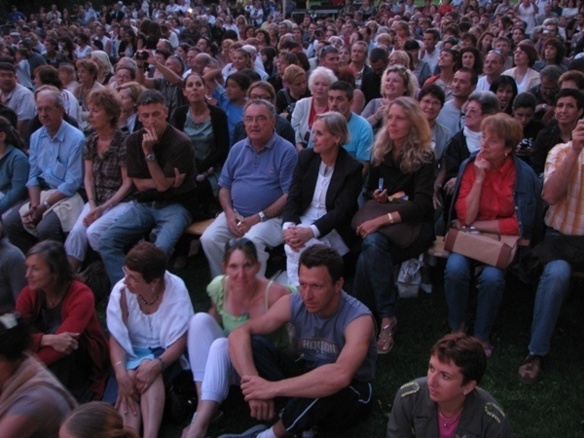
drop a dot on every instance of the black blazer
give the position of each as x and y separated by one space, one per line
218 155
341 197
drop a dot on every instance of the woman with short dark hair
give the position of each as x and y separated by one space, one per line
449 399
147 317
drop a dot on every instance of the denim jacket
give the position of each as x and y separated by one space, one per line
527 195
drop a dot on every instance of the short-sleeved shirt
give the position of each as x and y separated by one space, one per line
57 160
106 170
257 179
173 150
566 215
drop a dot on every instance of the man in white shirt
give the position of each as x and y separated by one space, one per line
430 53
492 69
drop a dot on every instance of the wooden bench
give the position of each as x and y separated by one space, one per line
437 249
198 228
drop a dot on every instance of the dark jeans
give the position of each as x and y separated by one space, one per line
334 412
48 228
374 283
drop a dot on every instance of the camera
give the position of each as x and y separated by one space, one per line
142 55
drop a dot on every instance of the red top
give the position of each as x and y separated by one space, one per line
78 316
497 202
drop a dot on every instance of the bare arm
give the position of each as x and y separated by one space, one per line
322 381
240 339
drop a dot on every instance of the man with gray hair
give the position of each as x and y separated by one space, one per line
545 92
254 187
55 176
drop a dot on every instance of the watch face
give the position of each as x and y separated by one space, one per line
151 157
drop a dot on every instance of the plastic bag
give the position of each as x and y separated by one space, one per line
410 277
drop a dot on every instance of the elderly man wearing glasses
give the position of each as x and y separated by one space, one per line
254 187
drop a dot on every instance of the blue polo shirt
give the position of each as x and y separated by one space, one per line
258 178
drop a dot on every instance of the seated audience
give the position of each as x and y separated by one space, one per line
308 108
525 76
264 90
96 420
12 272
505 89
54 178
331 391
129 93
206 126
106 180
396 81
32 402
402 161
562 249
67 335
295 79
494 193
448 402
236 297
523 111
568 109
147 317
254 185
462 144
323 196
160 163
14 167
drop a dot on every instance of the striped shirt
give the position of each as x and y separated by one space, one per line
567 215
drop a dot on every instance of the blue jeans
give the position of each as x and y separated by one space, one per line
551 291
457 282
169 220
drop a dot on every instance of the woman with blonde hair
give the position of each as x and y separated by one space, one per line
396 81
105 70
402 165
295 79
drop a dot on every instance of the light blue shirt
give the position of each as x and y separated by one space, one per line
258 178
361 141
361 138
58 160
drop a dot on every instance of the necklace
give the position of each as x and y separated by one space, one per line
151 303
449 421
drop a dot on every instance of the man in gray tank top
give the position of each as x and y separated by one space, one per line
327 384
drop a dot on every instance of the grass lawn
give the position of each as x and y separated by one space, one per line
552 407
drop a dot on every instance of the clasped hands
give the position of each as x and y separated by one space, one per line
295 237
260 397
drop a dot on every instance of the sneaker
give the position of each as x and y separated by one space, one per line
252 432
529 371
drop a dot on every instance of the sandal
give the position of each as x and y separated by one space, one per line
529 371
386 336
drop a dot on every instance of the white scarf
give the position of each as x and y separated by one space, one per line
473 139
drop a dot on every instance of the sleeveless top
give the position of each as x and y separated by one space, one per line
216 291
319 340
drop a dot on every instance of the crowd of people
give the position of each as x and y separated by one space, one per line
359 135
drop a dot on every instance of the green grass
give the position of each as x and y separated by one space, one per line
552 407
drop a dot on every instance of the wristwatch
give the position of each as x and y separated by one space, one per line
262 216
150 157
46 204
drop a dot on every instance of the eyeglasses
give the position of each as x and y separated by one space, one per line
256 119
254 96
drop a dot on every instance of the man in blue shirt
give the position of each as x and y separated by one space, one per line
55 176
340 98
254 187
